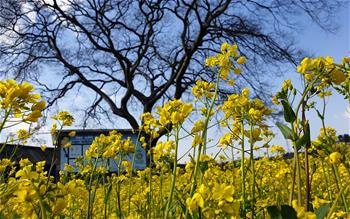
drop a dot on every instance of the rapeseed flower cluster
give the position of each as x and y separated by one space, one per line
20 101
109 146
227 60
323 73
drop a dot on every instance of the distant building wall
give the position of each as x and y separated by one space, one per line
344 138
32 153
83 139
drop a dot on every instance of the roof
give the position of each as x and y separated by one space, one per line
34 154
94 131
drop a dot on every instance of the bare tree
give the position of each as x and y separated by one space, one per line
146 51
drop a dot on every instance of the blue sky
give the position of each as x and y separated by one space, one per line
317 42
320 43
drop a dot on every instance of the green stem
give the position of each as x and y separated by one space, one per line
339 187
161 189
89 211
326 176
93 196
53 160
41 204
306 131
150 188
296 158
202 147
105 194
242 170
291 195
208 116
173 180
7 114
341 192
132 165
305 93
252 168
233 165
297 168
118 186
325 170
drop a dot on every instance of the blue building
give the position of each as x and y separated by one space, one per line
83 139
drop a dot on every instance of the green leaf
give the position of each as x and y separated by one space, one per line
305 140
260 215
288 212
321 212
47 207
313 90
274 212
286 131
289 114
108 195
203 166
301 142
319 114
285 212
307 134
182 203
